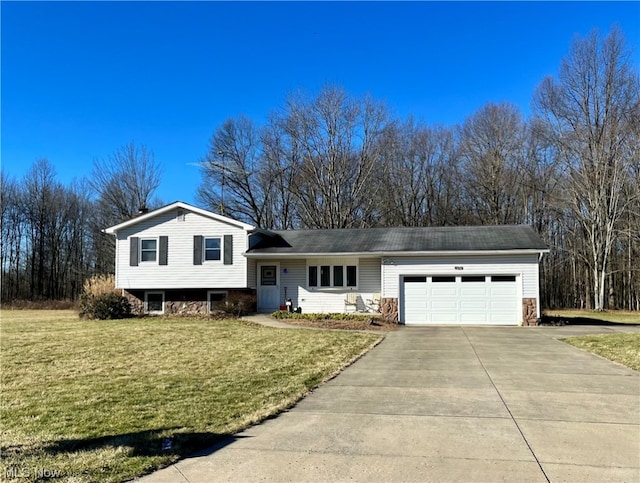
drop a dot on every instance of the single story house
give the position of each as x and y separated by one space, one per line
183 259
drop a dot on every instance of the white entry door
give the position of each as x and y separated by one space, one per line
268 287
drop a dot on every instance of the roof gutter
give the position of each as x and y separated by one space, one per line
386 254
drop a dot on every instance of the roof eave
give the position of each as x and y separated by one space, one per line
112 230
434 253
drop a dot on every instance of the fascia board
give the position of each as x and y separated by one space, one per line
112 230
272 255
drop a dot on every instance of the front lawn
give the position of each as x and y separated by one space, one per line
619 347
98 400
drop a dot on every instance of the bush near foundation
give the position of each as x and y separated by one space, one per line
237 304
100 300
281 314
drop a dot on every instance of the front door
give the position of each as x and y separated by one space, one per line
268 287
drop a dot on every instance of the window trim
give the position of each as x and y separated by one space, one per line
156 250
209 293
146 302
220 250
332 286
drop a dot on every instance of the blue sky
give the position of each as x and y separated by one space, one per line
82 79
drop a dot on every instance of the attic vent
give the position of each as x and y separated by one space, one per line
181 215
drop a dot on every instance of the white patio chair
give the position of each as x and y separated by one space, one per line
351 299
374 302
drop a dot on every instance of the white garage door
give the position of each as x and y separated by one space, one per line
472 299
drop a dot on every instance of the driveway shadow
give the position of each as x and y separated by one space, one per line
156 442
560 321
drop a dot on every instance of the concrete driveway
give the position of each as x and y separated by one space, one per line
448 404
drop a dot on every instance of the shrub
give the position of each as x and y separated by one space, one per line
100 285
105 307
101 300
281 314
237 304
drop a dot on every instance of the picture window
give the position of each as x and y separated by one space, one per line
332 276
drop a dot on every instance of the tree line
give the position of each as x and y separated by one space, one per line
51 235
571 170
330 160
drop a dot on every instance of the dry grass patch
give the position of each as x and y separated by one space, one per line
95 400
621 348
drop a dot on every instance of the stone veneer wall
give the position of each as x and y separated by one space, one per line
137 304
529 312
176 302
389 309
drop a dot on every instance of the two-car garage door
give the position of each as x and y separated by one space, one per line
472 299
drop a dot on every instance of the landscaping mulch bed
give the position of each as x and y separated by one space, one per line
372 324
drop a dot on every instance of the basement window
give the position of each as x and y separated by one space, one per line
154 303
216 300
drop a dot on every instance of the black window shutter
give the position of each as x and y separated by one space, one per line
164 246
228 250
133 251
197 250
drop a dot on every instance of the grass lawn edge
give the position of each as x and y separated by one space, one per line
583 343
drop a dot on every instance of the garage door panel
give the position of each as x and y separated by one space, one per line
415 303
450 300
473 318
449 291
444 318
473 305
473 290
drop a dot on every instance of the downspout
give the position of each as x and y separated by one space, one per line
538 311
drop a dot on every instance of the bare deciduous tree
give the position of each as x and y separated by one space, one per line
126 181
418 176
590 109
492 150
338 139
234 181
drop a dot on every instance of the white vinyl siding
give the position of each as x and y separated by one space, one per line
180 271
252 273
294 280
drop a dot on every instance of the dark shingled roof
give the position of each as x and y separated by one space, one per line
373 240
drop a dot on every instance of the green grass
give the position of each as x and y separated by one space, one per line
615 316
94 399
621 348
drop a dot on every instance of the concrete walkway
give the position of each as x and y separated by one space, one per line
448 404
